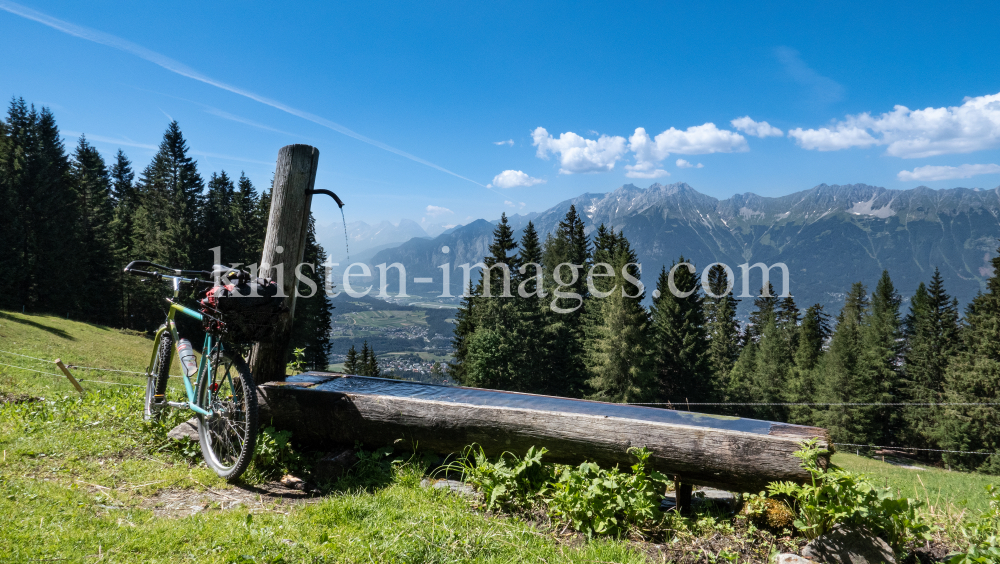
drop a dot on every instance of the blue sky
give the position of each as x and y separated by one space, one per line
444 112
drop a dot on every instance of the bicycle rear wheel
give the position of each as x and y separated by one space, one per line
228 437
156 380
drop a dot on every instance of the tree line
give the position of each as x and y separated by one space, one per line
70 223
873 375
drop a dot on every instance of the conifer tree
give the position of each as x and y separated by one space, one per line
97 276
465 326
351 364
537 370
218 217
126 200
680 344
812 334
880 359
973 377
313 314
248 227
932 341
372 369
841 379
770 381
723 327
765 306
365 363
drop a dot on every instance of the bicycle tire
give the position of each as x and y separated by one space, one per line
228 438
156 380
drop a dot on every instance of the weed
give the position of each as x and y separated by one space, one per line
982 535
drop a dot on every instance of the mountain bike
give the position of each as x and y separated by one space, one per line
219 386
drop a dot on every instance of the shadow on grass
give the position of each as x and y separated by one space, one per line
53 330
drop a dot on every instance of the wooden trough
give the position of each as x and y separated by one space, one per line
325 409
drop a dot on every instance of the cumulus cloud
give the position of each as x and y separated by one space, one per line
578 154
922 173
513 179
681 163
913 134
437 211
696 140
760 129
509 142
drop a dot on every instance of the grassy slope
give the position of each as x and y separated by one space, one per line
77 476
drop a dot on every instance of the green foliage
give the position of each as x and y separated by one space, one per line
837 496
595 501
679 337
274 456
982 535
298 361
509 483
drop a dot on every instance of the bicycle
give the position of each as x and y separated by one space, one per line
223 395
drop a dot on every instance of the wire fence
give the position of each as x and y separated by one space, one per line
61 376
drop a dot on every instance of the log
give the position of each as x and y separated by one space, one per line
284 245
325 409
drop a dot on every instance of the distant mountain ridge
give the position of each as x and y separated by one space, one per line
829 236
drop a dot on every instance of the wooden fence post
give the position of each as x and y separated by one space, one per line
66 371
284 245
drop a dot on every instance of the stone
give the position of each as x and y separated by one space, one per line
334 465
460 488
701 498
294 483
186 430
793 559
849 545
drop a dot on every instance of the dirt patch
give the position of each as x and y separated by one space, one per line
180 502
6 397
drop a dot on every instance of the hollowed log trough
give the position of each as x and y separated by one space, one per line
324 409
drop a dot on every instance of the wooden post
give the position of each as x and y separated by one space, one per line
682 496
65 371
284 245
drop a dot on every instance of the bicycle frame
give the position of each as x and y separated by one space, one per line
202 364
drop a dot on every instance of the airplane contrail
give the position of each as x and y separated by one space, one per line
177 67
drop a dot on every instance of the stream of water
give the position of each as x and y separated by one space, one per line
346 245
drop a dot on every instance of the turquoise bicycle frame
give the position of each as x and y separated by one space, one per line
202 365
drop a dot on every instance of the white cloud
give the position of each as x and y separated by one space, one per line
912 134
756 128
681 163
513 179
437 211
922 173
696 140
578 154
509 142
824 90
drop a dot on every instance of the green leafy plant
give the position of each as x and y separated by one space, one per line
298 363
607 502
983 535
838 496
275 455
510 483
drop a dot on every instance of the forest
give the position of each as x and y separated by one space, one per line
877 374
71 222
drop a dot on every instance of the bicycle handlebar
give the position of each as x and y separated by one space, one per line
179 275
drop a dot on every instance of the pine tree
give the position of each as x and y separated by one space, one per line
932 341
723 328
765 306
351 364
165 222
812 334
97 297
248 229
973 377
570 246
680 343
218 217
126 200
537 370
372 369
465 326
618 357
841 379
313 314
365 363
881 358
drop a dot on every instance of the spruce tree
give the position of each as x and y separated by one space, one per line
973 377
126 200
881 358
372 369
465 326
98 279
218 221
841 379
618 356
537 371
247 227
932 341
680 343
723 328
770 378
812 334
365 363
352 363
765 306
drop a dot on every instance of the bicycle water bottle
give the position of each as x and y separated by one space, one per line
185 353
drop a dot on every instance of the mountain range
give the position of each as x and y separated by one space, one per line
828 236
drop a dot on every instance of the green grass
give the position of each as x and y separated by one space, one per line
386 318
79 475
944 491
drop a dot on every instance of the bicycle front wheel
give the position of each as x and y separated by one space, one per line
156 380
229 436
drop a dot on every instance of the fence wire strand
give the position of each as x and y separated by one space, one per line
918 449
